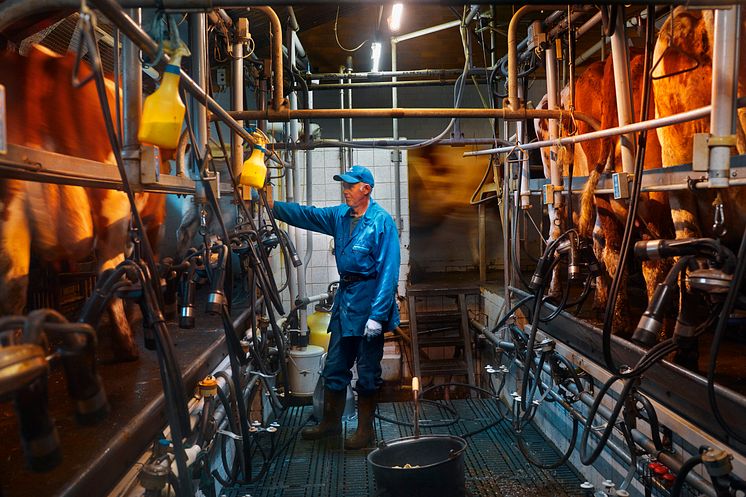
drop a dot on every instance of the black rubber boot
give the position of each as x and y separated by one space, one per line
331 423
364 436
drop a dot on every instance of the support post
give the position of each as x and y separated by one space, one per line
620 56
132 106
724 91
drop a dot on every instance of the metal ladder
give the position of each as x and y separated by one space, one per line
433 329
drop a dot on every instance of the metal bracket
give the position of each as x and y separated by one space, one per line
150 164
243 35
620 182
536 39
396 156
701 148
547 193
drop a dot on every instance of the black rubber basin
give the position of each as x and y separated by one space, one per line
437 466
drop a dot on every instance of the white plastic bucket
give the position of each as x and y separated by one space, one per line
304 367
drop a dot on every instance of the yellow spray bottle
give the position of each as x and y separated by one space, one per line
254 171
163 112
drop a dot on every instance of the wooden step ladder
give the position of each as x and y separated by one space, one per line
441 328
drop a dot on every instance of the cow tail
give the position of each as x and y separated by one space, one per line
587 206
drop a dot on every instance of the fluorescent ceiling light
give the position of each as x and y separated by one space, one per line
375 55
395 20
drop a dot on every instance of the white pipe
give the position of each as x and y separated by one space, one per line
132 100
513 100
525 178
350 157
397 151
197 30
586 26
591 51
237 103
552 102
300 271
342 153
660 122
426 31
309 185
724 91
620 56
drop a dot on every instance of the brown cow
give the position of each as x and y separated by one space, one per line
653 218
683 82
691 37
61 224
587 102
602 218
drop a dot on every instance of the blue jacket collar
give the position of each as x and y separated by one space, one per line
348 212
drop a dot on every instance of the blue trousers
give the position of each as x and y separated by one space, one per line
342 355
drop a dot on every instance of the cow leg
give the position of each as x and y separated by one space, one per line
556 223
112 216
613 232
684 215
15 248
601 295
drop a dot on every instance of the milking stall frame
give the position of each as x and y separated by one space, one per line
647 423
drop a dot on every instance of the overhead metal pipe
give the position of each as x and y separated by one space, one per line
660 122
13 10
417 73
426 31
363 144
587 25
293 20
476 113
382 84
724 91
514 102
278 100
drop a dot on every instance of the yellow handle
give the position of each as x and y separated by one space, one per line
415 384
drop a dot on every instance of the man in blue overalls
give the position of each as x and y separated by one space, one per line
367 254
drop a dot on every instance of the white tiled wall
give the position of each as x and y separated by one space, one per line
327 192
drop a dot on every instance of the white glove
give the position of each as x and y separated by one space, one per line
372 329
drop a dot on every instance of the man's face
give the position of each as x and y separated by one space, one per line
355 193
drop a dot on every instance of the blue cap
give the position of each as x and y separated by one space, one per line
356 174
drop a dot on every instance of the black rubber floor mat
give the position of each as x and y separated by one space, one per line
494 464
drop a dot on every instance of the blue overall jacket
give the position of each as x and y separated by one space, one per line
370 255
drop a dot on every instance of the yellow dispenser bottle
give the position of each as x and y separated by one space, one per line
318 324
254 171
163 112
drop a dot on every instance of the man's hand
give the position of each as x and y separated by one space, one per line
270 198
372 329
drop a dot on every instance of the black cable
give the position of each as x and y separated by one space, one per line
509 314
585 458
652 419
686 468
635 195
717 339
514 251
565 455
